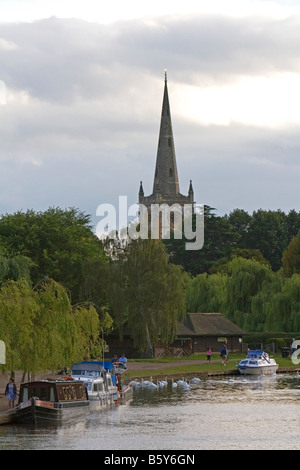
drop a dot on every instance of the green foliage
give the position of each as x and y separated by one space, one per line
219 240
206 293
42 330
15 268
147 293
146 286
270 232
18 309
57 242
264 234
291 257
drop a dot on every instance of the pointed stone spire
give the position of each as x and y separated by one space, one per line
166 176
191 193
141 191
166 185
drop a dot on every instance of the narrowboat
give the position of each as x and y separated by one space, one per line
257 362
52 401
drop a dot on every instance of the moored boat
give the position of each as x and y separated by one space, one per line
257 362
115 380
51 401
101 389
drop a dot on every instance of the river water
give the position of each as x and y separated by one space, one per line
220 413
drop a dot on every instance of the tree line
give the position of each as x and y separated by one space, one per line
61 287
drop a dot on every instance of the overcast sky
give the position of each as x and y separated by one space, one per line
81 93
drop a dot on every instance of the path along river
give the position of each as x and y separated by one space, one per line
217 413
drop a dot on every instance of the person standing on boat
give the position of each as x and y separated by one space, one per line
11 392
123 359
115 358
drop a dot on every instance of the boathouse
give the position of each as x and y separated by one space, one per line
199 331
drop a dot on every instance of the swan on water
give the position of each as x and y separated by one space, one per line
195 380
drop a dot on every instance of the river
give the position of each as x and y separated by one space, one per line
220 413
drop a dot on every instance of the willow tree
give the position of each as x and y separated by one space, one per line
42 330
55 329
283 307
18 310
66 333
246 279
206 293
90 325
150 293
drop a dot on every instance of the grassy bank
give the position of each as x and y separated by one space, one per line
198 366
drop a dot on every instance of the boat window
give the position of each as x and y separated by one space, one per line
25 394
109 381
244 362
253 363
88 386
52 394
43 393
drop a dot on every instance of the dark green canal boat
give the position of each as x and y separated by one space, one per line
52 401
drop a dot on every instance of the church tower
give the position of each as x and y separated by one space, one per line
166 184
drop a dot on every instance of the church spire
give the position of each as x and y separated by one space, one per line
166 185
166 176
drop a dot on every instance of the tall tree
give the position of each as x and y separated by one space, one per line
291 257
57 241
219 240
152 293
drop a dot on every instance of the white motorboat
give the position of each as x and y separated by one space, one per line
257 362
98 383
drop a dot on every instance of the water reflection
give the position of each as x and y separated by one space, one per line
218 413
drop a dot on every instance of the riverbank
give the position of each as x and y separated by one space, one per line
156 369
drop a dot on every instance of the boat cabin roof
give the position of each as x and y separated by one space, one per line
257 352
93 369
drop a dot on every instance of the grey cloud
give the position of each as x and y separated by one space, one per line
61 59
89 131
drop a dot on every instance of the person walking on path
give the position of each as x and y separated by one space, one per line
11 392
224 354
208 353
